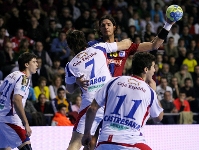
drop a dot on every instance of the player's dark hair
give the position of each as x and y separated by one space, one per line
109 17
140 61
76 40
60 106
25 58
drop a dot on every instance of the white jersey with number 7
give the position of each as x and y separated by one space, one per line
92 63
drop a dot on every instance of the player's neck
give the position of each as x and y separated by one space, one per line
26 72
140 77
108 39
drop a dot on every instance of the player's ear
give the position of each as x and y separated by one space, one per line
26 64
146 69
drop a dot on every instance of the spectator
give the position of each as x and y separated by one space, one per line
165 72
175 87
61 98
182 74
47 7
53 31
174 33
67 26
181 103
169 107
65 15
121 21
156 23
40 52
159 61
59 47
41 71
56 84
182 56
99 7
196 88
173 67
43 105
37 32
186 36
162 88
157 75
52 16
84 23
194 49
17 20
75 11
17 39
190 94
147 33
132 33
56 69
190 62
3 38
135 21
29 111
195 74
60 118
77 104
42 88
7 62
157 11
170 48
23 47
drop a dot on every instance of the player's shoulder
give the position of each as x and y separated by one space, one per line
94 42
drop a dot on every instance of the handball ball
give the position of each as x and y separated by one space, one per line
174 13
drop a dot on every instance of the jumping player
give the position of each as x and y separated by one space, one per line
128 101
91 64
14 127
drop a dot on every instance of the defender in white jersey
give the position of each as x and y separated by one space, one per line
129 101
14 127
92 63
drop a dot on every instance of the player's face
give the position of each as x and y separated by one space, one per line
107 28
32 66
151 71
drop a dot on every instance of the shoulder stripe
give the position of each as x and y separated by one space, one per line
100 48
152 97
67 69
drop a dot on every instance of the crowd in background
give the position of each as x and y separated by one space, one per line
40 27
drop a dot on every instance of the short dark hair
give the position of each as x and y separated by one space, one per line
109 17
25 58
76 40
60 106
60 89
187 79
140 61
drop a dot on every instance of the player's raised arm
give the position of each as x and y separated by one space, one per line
124 44
158 40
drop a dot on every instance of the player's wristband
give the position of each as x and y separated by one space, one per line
167 26
163 34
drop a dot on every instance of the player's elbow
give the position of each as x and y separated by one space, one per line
159 118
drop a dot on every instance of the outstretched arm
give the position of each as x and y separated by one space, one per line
158 40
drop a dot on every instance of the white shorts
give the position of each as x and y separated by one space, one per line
80 123
12 135
138 146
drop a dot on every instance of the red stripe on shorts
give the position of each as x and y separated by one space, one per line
81 113
141 146
21 132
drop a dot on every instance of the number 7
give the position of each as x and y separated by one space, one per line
91 62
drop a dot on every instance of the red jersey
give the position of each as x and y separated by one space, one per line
15 42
